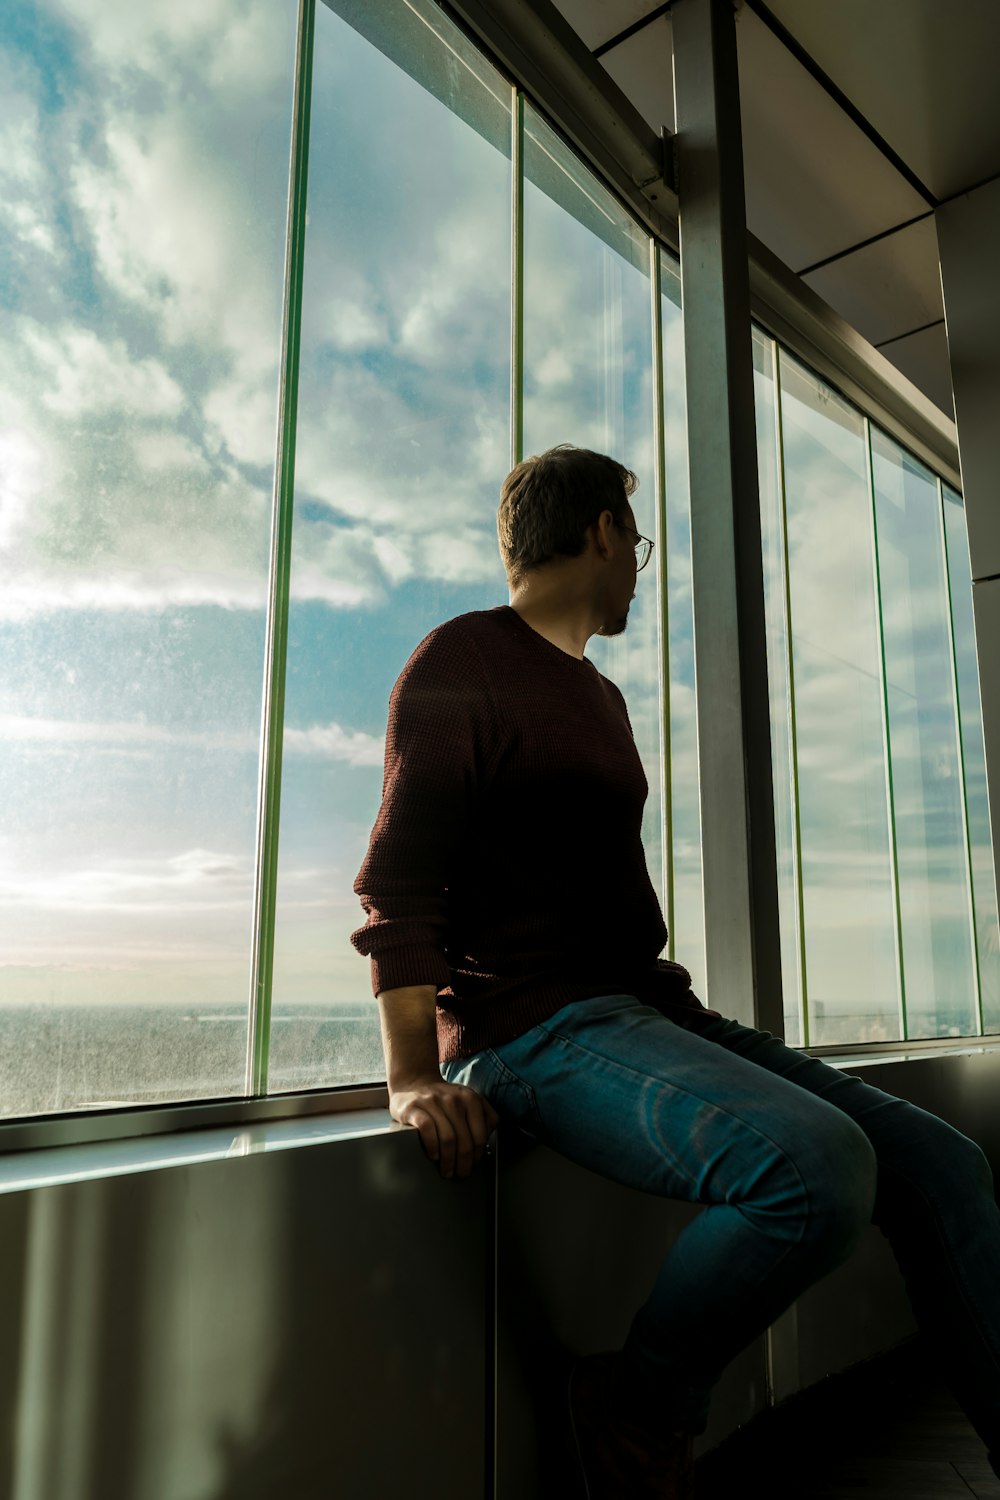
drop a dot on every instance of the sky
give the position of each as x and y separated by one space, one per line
143 188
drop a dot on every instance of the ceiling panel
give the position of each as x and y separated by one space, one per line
597 21
889 288
924 74
643 68
923 358
815 184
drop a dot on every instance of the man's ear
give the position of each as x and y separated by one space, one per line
603 528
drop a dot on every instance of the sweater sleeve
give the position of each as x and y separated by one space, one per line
441 731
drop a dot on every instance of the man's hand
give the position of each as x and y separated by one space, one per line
454 1121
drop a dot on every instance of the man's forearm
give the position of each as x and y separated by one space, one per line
409 1034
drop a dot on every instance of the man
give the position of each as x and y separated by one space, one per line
514 937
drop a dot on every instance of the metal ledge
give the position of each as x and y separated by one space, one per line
871 1054
55 1166
87 1127
538 49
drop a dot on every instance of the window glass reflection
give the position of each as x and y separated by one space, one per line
974 758
847 898
685 800
779 681
938 970
140 325
402 444
588 381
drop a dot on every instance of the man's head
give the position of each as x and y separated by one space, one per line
549 502
568 539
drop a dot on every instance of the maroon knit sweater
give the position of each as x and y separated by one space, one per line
506 866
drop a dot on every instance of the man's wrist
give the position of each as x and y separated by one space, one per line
409 1036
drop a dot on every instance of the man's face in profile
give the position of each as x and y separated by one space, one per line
620 582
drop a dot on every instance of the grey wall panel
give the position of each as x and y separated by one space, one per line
249 1328
861 1309
577 1255
969 243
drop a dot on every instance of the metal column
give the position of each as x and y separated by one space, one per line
737 800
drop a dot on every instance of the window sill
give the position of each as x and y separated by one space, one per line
866 1056
192 1117
50 1166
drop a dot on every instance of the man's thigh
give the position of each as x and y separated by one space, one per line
909 1143
625 1091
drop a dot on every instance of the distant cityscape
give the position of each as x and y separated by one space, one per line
55 1059
60 1058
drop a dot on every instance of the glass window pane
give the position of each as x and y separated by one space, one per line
588 381
974 758
402 445
847 897
685 790
779 684
140 321
938 971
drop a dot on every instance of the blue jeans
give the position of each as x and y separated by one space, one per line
792 1158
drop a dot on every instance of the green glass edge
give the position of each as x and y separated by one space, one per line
961 761
276 643
660 502
516 277
800 922
890 794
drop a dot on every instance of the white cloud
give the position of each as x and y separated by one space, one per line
242 414
23 464
241 46
190 879
335 743
168 226
33 592
15 728
82 374
163 451
329 741
352 323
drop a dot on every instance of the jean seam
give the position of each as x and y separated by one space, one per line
509 1076
625 1067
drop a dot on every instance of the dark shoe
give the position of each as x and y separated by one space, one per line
621 1457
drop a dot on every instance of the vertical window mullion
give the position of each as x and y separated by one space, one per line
663 634
793 755
276 639
516 277
887 746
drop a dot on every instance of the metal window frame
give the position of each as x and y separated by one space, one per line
516 276
793 736
663 632
279 581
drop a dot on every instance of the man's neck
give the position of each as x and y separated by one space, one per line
567 626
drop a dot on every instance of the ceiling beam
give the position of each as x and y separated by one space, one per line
770 20
633 30
538 48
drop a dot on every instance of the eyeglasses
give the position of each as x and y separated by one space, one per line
643 546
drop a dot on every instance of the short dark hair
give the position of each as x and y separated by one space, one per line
548 501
